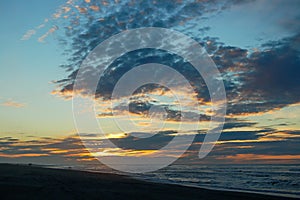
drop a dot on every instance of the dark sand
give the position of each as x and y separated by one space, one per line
31 182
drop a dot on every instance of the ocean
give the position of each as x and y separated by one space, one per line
279 180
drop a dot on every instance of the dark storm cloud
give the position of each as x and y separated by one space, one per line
231 123
232 136
277 71
255 82
155 142
252 144
70 149
86 30
263 80
139 57
169 113
65 148
284 147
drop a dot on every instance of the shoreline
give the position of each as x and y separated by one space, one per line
268 193
36 182
140 178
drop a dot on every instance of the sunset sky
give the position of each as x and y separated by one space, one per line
255 45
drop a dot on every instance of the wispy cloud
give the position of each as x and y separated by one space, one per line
60 12
33 31
50 31
28 34
11 103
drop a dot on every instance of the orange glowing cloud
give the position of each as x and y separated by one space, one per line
50 31
95 8
23 155
14 104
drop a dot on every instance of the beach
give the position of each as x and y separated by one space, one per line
34 182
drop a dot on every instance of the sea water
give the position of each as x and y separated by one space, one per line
279 180
283 180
